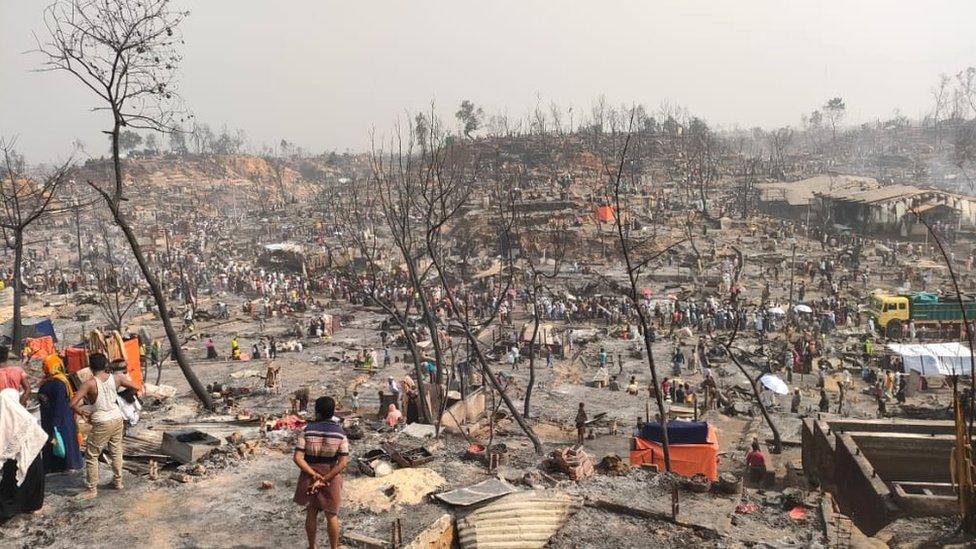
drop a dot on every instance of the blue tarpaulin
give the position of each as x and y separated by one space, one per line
45 328
31 327
679 432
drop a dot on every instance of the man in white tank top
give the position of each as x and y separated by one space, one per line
105 417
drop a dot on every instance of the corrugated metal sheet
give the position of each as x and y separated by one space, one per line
801 193
882 194
477 493
523 520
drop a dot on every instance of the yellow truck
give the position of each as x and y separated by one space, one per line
893 312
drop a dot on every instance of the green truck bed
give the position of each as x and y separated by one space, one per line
945 311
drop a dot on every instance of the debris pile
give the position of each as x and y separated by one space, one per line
613 465
574 462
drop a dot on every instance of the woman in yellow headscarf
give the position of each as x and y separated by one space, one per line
54 369
62 453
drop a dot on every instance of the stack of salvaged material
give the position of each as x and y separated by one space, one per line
574 461
612 465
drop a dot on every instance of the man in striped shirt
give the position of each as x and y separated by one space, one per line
322 452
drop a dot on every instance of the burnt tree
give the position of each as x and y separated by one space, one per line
126 54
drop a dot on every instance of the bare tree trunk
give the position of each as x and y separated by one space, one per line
425 413
703 193
431 326
533 350
157 293
485 368
176 351
789 312
632 278
658 396
777 441
81 272
16 343
488 373
967 329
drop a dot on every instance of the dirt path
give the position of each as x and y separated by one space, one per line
228 509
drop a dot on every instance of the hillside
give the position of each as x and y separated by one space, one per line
299 177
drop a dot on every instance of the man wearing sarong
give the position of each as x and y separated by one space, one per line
321 454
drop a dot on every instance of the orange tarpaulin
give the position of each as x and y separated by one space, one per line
77 358
132 365
686 459
604 213
41 347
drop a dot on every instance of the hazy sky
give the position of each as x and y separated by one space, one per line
323 73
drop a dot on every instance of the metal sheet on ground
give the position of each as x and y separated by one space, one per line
476 493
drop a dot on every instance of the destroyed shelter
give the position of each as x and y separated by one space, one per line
796 199
892 210
882 469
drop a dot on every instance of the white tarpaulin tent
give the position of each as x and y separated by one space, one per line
931 359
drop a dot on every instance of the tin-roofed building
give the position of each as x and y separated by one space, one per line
893 209
796 199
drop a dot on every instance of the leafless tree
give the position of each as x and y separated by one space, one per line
964 154
556 114
352 215
780 142
397 176
617 167
962 455
472 328
554 240
940 95
442 188
730 349
126 54
833 111
964 145
966 93
701 152
114 300
25 200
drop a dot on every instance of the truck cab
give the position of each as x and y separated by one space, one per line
891 313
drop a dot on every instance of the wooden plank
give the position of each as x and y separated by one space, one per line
439 535
362 540
622 509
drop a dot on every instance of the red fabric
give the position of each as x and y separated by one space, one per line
289 422
132 365
755 459
605 213
798 513
41 347
686 459
11 377
77 359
